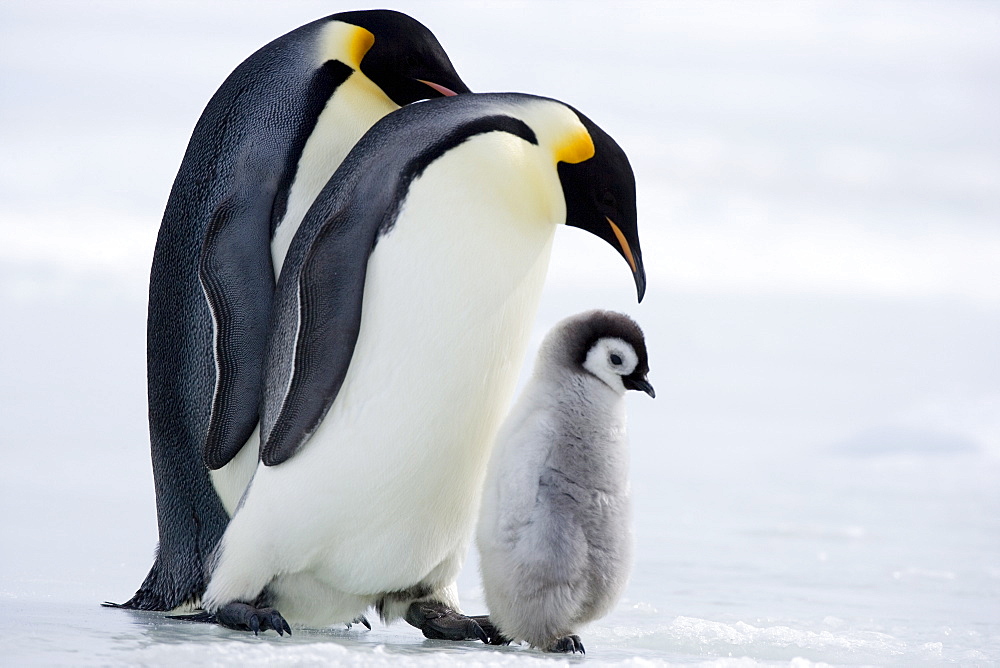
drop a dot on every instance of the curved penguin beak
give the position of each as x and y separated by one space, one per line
597 185
447 92
633 258
640 384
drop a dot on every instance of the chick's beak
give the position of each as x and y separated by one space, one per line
640 384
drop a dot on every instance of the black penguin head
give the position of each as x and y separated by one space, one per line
600 198
608 345
406 61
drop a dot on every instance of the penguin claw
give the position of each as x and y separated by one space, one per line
244 617
360 620
567 645
439 622
273 619
478 631
495 637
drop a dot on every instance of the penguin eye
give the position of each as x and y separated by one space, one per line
616 359
608 199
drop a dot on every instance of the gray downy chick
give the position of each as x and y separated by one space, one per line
554 532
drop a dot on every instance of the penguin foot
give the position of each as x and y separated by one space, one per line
567 645
439 622
360 620
245 617
496 638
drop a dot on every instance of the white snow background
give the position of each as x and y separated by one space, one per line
818 478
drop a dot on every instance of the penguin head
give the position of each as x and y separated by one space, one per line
604 344
404 59
599 188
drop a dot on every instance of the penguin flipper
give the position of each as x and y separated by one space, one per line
318 321
237 277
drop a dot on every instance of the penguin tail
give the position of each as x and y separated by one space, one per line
160 593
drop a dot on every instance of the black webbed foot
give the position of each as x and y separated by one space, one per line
567 645
245 617
439 622
496 638
360 620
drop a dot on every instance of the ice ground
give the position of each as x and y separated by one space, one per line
843 569
818 480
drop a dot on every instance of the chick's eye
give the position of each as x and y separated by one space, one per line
615 359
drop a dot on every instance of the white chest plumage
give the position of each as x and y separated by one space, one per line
385 492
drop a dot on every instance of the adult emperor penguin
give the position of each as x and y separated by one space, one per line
554 532
401 319
267 142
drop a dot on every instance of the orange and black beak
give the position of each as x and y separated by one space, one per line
633 257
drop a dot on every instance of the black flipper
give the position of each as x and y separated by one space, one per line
327 314
236 274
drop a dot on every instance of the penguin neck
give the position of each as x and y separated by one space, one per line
355 106
345 42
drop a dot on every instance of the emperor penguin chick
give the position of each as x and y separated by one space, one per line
554 532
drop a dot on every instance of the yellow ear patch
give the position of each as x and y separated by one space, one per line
344 42
577 147
358 45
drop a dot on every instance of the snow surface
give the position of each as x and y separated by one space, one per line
818 479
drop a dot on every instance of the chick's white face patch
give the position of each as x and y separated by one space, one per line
610 359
